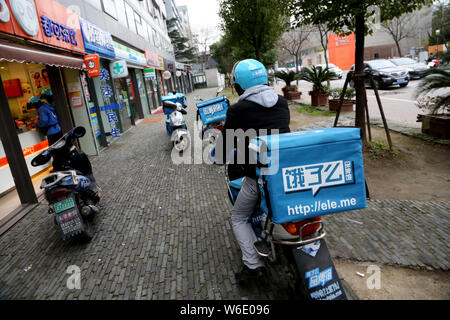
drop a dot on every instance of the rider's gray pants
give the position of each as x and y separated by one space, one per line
243 208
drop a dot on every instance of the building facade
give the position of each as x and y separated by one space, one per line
414 28
52 46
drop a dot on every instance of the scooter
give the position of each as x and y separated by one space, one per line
212 113
175 124
298 246
71 190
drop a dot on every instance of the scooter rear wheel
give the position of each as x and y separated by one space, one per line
88 233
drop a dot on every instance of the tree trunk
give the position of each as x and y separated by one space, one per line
361 100
258 53
398 48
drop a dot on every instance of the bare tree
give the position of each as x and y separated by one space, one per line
323 36
292 42
205 37
401 28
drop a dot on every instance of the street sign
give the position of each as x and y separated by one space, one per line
149 73
166 75
118 69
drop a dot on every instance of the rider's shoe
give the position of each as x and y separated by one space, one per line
246 273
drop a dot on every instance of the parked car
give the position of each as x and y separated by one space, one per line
332 68
415 70
282 69
385 73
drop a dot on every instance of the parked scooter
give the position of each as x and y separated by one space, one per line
174 108
71 190
292 194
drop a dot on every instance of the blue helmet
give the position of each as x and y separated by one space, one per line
249 73
47 94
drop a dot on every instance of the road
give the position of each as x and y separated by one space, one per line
398 103
164 233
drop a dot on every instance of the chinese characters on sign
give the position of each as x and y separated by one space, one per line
112 119
104 75
52 28
316 176
106 91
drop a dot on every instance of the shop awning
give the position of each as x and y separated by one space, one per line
13 52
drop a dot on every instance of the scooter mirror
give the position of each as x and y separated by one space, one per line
79 131
219 89
41 158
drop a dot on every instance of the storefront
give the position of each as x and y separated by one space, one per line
129 86
159 77
26 70
98 89
181 77
151 80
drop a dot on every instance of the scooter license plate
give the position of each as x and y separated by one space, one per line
63 205
69 221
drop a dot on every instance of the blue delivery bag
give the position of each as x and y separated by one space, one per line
179 97
310 173
213 110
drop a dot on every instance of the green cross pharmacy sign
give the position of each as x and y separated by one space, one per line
118 69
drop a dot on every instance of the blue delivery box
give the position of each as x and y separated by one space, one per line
213 110
179 97
310 173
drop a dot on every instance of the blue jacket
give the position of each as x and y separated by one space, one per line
48 118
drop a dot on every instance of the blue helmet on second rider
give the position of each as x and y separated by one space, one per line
249 73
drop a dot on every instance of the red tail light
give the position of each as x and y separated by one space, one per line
58 193
293 228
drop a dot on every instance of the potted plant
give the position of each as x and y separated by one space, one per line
317 76
433 100
347 103
289 91
435 120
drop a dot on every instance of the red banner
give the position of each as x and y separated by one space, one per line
342 50
28 151
43 21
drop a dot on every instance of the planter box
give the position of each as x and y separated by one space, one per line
288 89
293 95
347 105
318 98
436 126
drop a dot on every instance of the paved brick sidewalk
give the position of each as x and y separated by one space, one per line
164 232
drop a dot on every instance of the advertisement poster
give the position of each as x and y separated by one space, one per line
39 80
75 99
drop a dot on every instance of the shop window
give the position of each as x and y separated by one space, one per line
95 3
139 27
110 8
121 14
130 17
23 81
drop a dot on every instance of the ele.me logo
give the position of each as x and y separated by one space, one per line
316 176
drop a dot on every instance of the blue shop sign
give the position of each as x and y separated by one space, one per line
97 40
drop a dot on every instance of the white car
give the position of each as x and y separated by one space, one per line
415 70
332 68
